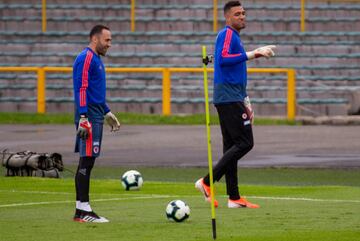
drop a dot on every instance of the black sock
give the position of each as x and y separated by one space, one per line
82 178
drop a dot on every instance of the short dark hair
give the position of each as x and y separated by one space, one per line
231 4
97 29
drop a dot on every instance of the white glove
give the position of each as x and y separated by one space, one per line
112 121
249 109
265 51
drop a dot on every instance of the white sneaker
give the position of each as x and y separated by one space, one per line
241 203
91 217
205 190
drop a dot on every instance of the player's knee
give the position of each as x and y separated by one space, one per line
244 147
86 162
250 145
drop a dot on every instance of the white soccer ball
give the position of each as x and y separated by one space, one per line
132 180
177 211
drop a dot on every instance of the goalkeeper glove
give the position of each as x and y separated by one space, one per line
249 109
84 128
265 51
112 121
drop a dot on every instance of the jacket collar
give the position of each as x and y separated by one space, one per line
227 26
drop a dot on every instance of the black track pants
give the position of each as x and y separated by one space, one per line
237 141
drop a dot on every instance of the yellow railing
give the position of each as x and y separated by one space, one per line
291 83
40 83
166 82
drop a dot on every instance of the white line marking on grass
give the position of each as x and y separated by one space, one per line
36 192
73 193
73 201
33 203
304 199
290 199
149 196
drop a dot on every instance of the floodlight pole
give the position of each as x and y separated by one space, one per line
207 60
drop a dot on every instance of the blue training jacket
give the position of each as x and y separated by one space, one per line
230 76
89 82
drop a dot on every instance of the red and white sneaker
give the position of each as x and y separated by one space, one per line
241 203
88 217
77 215
205 189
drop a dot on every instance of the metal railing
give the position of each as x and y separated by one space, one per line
166 82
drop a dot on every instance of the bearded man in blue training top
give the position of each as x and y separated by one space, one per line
90 111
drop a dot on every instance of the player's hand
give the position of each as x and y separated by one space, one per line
112 121
249 109
84 128
265 51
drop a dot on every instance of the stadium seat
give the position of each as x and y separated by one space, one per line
326 57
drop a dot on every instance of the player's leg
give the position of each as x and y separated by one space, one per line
231 172
89 150
231 179
226 137
203 184
83 179
77 210
240 129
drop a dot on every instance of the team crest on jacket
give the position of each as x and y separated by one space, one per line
244 116
96 149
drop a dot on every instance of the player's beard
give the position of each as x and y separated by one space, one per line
242 25
101 49
238 25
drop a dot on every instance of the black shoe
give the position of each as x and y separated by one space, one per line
90 217
77 215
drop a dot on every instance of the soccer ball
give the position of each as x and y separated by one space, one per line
177 211
132 180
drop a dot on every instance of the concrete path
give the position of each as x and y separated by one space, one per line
275 146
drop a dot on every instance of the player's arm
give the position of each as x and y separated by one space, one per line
81 79
265 51
226 57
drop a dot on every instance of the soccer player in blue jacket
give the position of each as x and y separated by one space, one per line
232 103
90 109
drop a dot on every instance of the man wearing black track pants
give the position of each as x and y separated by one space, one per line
232 103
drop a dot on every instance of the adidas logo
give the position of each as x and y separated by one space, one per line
89 219
83 171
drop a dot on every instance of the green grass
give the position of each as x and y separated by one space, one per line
296 204
251 176
128 119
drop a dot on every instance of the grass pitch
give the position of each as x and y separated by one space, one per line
129 119
312 208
